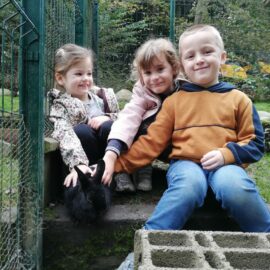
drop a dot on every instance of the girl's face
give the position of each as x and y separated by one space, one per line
78 79
158 78
201 58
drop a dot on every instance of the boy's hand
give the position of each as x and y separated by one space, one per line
72 177
212 160
109 158
96 122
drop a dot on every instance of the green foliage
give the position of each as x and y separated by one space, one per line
261 173
255 86
9 104
114 243
9 49
124 25
244 25
262 106
9 181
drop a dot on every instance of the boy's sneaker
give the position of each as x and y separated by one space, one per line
128 263
124 183
143 178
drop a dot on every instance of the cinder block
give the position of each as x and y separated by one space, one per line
171 250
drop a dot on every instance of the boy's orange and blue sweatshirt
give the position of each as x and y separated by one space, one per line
198 120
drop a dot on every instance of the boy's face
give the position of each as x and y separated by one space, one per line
201 58
78 79
159 76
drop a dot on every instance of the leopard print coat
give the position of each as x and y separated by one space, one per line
67 112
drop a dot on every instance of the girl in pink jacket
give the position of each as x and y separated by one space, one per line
156 67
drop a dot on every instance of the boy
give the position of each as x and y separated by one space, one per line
215 132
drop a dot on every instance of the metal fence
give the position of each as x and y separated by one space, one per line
31 30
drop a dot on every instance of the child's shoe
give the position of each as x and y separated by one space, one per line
143 178
124 183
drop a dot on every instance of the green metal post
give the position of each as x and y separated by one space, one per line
31 103
86 31
95 30
81 26
172 21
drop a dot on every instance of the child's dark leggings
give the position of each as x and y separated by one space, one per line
93 141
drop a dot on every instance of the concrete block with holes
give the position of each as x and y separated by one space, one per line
164 250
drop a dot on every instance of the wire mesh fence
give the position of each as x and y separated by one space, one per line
19 198
60 18
63 19
20 184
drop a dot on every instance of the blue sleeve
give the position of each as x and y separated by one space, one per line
116 146
254 150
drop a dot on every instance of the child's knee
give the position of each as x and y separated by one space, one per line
187 173
83 131
234 188
191 187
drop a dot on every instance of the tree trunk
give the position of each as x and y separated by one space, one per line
266 2
201 11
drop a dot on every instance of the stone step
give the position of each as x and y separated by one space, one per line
70 240
116 229
209 217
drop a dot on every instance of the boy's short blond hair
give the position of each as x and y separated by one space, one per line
151 49
202 27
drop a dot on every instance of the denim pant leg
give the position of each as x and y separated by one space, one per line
187 188
238 194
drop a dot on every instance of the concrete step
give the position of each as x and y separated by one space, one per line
114 232
132 209
137 207
104 244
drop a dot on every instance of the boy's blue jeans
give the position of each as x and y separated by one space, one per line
187 189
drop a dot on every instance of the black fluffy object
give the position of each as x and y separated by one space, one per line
89 199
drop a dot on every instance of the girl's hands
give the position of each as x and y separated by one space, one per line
96 122
72 177
109 158
212 160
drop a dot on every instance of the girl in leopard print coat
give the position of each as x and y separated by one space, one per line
82 113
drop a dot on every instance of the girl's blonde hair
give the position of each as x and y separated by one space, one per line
67 56
202 27
151 49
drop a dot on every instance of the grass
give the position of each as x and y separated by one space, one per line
260 171
262 106
9 181
11 104
102 245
